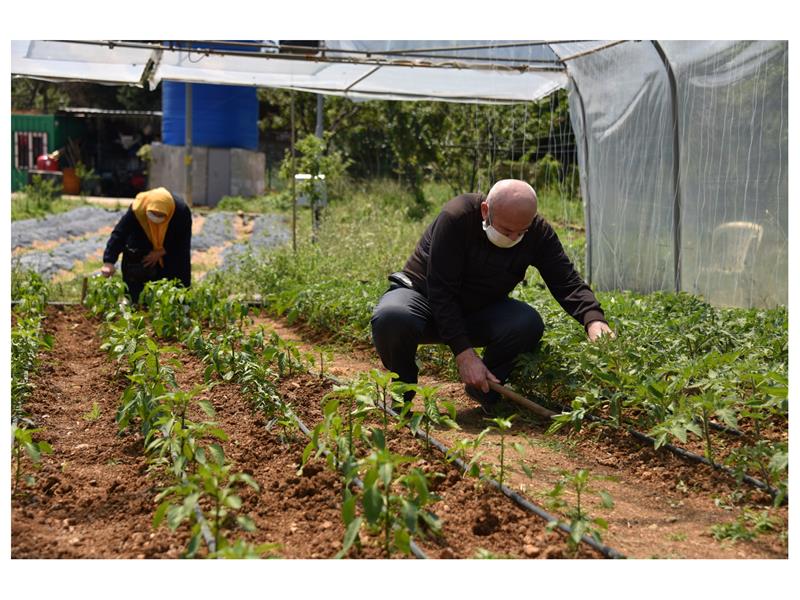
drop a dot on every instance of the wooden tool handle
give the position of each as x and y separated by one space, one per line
521 400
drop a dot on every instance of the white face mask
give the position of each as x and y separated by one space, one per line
497 238
154 218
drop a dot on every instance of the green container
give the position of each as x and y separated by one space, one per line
51 131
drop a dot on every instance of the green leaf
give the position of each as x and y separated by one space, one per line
233 501
373 504
217 433
727 416
349 508
402 540
578 528
409 513
350 535
385 474
378 440
217 453
779 462
33 451
605 499
160 513
248 480
207 408
246 523
194 545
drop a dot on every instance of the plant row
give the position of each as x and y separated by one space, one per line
27 339
383 493
677 368
202 493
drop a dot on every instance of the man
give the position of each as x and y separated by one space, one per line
155 238
454 289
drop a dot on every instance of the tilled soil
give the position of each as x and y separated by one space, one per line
664 506
94 496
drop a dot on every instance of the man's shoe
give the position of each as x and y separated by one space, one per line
489 401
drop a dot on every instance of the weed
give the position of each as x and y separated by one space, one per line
746 527
93 414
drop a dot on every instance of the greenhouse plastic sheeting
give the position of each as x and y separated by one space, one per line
733 119
682 146
717 226
80 62
625 165
401 78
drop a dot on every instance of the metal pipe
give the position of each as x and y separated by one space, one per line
585 189
593 50
188 147
294 190
495 65
676 165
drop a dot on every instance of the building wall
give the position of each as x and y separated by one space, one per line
222 172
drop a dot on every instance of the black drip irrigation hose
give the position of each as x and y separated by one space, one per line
686 454
517 498
415 550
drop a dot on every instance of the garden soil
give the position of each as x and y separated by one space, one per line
94 496
664 506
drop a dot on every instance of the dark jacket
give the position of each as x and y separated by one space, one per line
177 243
460 271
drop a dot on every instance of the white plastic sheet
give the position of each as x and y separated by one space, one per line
682 146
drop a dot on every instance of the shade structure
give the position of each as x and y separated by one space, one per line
682 145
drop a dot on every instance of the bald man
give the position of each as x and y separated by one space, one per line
454 289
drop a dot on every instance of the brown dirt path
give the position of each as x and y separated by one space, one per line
92 497
664 506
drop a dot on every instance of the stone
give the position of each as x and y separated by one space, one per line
531 550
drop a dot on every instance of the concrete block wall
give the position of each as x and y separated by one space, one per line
242 170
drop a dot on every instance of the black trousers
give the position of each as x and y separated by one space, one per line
403 319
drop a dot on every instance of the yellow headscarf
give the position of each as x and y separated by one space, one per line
158 199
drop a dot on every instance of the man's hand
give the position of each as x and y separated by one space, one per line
153 257
597 329
472 370
107 270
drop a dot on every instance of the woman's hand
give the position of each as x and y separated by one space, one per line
153 257
107 270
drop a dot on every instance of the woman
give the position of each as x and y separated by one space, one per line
155 238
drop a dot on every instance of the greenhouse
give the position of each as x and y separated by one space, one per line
683 146
382 299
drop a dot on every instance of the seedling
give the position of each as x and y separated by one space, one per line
502 425
382 395
399 517
23 441
467 450
430 414
212 484
581 523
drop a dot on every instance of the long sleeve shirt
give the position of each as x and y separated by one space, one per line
460 271
177 242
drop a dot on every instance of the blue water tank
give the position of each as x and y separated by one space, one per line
223 116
